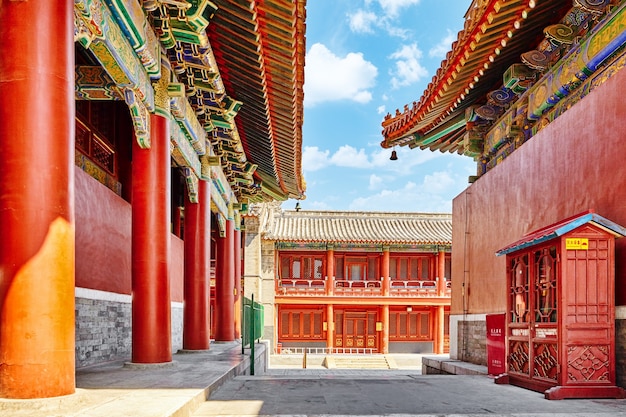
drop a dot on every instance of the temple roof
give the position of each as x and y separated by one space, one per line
495 34
360 227
562 227
260 48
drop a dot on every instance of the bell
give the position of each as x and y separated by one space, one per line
394 155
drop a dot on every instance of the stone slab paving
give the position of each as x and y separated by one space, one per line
388 393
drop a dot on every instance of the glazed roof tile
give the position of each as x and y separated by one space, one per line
360 227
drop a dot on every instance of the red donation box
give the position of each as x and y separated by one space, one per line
560 320
495 344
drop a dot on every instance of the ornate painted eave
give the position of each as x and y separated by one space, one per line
164 45
260 47
496 32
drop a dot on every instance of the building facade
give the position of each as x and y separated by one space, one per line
351 281
134 134
533 91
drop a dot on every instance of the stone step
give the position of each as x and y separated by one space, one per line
357 362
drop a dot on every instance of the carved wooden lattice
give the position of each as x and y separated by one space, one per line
588 363
545 361
519 357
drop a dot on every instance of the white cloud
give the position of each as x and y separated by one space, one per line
347 156
314 159
375 182
362 21
392 7
329 77
408 69
380 109
441 49
433 195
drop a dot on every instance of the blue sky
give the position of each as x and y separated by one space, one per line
365 58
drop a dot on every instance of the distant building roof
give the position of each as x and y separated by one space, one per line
360 227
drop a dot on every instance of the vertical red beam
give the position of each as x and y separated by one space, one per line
330 270
37 192
439 343
237 273
385 271
151 308
330 326
441 274
196 320
441 291
385 332
225 286
384 268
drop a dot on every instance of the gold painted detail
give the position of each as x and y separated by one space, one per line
183 153
161 95
140 117
132 20
97 30
192 184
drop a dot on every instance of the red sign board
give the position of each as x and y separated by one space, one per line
495 344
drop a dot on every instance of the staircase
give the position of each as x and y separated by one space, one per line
359 362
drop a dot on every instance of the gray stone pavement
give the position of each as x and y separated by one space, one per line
222 375
314 392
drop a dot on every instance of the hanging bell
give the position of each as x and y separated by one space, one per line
394 155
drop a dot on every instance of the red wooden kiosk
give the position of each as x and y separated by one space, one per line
560 327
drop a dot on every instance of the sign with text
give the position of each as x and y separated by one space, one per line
495 344
577 243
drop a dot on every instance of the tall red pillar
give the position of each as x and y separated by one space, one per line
37 199
441 291
225 286
385 308
237 274
151 308
196 314
330 270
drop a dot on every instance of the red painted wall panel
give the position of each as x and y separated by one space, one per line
573 164
103 241
103 237
177 269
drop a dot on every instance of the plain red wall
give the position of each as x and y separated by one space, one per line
577 162
103 241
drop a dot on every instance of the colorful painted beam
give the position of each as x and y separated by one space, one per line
580 62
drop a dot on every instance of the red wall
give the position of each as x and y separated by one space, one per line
177 269
103 241
575 163
103 237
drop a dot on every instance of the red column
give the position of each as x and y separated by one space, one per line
385 308
441 272
441 291
237 273
330 271
385 272
225 286
330 326
439 342
385 332
37 199
196 320
151 309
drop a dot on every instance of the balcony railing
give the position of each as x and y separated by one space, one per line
344 287
397 288
413 288
301 286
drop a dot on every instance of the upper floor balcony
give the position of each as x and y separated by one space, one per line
363 288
